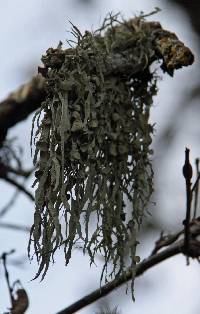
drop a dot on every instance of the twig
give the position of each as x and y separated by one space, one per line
4 257
173 249
195 184
187 173
19 298
165 241
19 172
14 227
140 269
196 189
6 207
20 187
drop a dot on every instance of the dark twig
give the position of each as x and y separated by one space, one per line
6 207
14 227
195 184
165 241
19 172
18 297
4 257
196 191
106 289
20 187
173 249
169 239
187 173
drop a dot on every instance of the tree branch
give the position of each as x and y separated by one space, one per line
19 104
173 249
140 269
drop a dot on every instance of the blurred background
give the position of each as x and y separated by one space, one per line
28 29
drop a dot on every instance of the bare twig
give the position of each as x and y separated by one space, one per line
20 187
165 241
195 184
19 172
18 297
4 257
174 249
14 227
141 268
6 207
187 173
196 191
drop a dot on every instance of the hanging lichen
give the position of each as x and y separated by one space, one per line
94 141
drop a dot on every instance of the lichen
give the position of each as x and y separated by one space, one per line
94 144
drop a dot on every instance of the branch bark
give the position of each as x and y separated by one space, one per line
174 247
19 104
140 269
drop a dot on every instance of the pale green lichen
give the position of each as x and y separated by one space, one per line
94 145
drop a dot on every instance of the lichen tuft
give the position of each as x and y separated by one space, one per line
94 145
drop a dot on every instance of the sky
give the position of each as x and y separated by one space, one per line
28 29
